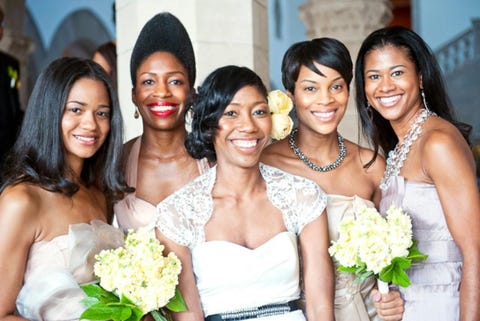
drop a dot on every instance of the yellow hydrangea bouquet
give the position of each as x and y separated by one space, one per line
371 244
280 106
135 280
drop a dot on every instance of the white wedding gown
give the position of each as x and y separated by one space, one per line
229 276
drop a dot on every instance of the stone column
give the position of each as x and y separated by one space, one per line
222 32
349 21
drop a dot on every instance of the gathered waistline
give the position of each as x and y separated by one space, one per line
255 312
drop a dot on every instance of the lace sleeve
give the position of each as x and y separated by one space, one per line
174 224
300 200
182 216
311 202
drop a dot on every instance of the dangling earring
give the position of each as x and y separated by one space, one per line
369 111
422 93
136 114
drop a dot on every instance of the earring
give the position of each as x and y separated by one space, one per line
136 114
369 111
422 93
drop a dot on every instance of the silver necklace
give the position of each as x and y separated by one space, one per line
398 155
309 163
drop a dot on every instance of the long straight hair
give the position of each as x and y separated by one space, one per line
38 156
377 129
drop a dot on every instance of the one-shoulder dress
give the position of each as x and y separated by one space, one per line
434 292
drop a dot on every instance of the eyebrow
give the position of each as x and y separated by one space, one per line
314 82
254 103
85 104
391 68
168 73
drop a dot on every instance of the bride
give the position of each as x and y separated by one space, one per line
235 228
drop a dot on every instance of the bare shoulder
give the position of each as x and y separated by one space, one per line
275 152
20 198
128 145
363 156
127 148
442 140
19 206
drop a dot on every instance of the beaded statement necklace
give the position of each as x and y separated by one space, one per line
397 156
309 163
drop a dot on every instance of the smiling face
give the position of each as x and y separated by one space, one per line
392 83
243 129
161 90
86 120
320 101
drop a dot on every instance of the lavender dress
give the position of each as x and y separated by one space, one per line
434 293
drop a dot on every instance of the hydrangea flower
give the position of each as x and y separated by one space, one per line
371 244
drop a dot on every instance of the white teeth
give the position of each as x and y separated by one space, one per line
324 114
389 100
245 143
85 139
162 108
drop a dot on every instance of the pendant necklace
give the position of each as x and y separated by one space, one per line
309 163
398 155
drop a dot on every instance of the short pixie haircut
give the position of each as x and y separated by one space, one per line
214 95
323 51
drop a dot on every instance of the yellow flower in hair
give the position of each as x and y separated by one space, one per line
280 105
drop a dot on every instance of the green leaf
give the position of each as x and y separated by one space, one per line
401 262
400 278
125 300
121 313
96 291
177 304
158 317
364 275
395 272
414 253
386 275
361 269
98 311
137 314
342 268
89 301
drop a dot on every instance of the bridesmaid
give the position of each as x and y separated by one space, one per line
162 69
317 76
406 114
55 201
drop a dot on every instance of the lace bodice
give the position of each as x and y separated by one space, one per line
182 216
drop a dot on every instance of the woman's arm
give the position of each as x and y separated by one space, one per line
187 283
448 161
317 270
17 233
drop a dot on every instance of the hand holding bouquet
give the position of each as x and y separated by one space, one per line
373 245
135 279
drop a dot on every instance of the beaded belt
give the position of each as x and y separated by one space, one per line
256 312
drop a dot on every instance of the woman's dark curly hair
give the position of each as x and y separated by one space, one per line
214 95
